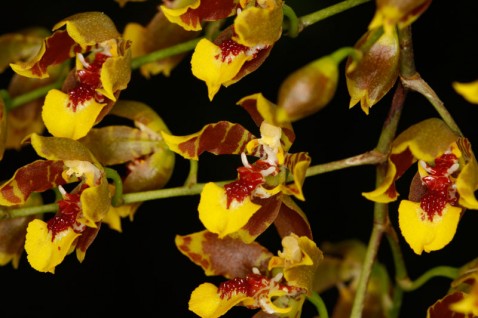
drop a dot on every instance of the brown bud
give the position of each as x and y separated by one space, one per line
369 80
308 89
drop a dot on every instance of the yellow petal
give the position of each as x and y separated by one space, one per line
89 28
135 33
44 254
206 302
257 26
62 121
115 75
381 193
425 235
215 215
95 203
469 91
207 64
467 184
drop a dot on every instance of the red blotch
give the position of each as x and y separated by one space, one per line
248 286
69 208
439 186
88 81
59 47
248 180
402 162
228 48
251 286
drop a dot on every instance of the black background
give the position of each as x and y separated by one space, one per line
140 272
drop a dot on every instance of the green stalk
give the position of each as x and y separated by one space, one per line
323 14
164 53
319 304
439 271
192 188
381 218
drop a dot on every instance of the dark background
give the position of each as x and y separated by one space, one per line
140 272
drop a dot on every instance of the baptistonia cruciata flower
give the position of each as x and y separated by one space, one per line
441 191
260 196
80 212
25 119
277 285
102 70
240 48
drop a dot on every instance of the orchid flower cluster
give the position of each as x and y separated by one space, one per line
64 102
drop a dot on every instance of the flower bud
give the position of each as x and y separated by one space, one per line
369 80
308 89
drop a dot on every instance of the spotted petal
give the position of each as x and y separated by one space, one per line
80 33
44 252
190 13
297 163
219 138
205 249
37 176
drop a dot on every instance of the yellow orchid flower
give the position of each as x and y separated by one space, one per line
102 70
80 212
444 186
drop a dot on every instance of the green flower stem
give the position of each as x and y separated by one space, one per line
439 271
117 198
345 52
30 96
193 173
293 26
412 80
407 60
317 16
419 85
381 218
164 53
31 210
368 158
319 304
163 193
193 188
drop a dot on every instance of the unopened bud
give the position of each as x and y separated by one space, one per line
369 80
308 89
